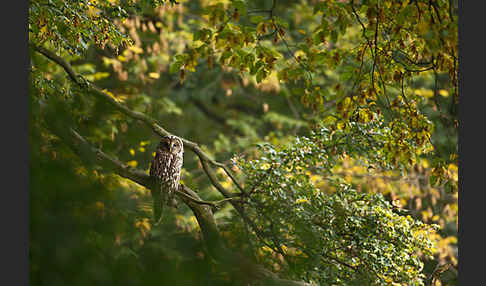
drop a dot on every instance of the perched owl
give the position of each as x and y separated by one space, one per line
166 168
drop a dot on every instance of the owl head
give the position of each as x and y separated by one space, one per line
171 144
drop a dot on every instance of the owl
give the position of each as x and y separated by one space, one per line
166 168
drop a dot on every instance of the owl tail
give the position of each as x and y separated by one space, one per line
160 201
157 208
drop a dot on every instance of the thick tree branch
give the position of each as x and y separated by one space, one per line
152 123
79 144
252 272
204 158
247 270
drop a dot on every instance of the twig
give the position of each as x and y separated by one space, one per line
214 204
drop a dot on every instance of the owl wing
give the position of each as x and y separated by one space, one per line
155 166
158 170
176 172
166 169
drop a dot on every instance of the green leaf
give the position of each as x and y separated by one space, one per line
261 75
257 19
175 67
241 6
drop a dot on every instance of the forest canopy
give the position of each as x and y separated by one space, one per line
320 142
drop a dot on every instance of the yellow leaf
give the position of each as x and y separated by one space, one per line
425 163
299 53
136 49
118 99
121 98
132 152
146 224
452 239
452 168
364 115
346 102
424 92
143 224
341 125
300 201
43 30
100 75
132 163
226 184
265 166
452 172
154 75
266 249
444 93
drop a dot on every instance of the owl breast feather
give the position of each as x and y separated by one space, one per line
166 167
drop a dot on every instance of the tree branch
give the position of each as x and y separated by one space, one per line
204 216
213 204
152 123
246 268
79 144
203 157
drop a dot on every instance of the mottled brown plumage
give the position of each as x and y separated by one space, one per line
166 168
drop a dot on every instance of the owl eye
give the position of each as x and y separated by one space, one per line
165 144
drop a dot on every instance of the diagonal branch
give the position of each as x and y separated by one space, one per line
81 145
87 151
203 157
245 268
152 123
202 211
